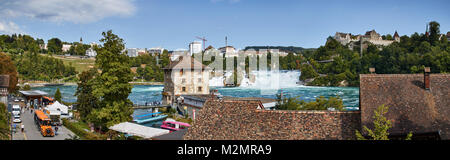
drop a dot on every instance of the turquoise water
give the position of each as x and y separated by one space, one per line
141 94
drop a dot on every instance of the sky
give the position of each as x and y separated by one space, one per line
173 24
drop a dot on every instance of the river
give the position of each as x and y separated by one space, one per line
265 85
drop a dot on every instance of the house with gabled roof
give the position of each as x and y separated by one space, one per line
184 76
418 103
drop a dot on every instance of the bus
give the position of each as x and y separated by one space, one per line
43 123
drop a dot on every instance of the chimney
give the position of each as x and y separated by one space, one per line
426 78
372 70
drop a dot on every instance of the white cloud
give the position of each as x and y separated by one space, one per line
9 28
76 11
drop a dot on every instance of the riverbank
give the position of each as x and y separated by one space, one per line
44 84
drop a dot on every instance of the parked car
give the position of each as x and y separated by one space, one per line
17 119
16 109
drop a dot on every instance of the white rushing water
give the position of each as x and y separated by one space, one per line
263 80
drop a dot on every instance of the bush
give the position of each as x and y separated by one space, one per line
79 131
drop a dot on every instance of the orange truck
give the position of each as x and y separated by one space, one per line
43 123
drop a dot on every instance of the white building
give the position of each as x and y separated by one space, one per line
174 55
195 47
66 47
91 52
156 50
229 51
132 52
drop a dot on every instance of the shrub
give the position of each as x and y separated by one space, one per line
79 131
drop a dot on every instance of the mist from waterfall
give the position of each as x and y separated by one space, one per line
272 80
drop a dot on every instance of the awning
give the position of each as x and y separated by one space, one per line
34 93
138 130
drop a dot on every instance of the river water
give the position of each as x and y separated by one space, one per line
265 84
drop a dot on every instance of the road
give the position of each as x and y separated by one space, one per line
32 132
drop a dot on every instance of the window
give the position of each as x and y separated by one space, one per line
200 89
183 89
181 72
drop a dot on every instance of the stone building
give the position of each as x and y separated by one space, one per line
184 76
4 84
370 36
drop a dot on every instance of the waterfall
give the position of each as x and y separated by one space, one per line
263 79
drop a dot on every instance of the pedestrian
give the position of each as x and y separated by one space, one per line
22 126
14 127
56 130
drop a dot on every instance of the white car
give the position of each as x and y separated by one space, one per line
16 109
17 119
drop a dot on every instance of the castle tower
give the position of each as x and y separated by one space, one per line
396 37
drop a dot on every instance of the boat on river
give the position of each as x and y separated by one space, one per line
149 117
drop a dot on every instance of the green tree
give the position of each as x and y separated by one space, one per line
434 32
26 87
85 99
4 122
58 95
112 86
381 126
54 46
7 67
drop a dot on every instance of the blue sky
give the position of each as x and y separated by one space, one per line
173 24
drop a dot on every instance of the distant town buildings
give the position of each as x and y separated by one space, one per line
195 47
370 36
183 77
156 51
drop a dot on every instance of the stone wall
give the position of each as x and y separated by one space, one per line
241 120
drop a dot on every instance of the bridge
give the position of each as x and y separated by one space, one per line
149 106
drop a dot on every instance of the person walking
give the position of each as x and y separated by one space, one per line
23 127
56 130
14 127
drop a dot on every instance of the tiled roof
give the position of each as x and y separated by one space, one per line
241 120
412 108
4 81
186 62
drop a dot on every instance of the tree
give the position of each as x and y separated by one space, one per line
58 95
112 86
4 122
381 126
54 45
434 32
7 67
85 99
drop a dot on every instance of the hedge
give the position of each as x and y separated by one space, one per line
79 131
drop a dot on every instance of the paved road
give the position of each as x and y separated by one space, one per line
32 132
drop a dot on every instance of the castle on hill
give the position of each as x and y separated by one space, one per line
370 36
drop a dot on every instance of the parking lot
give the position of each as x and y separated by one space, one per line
31 131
